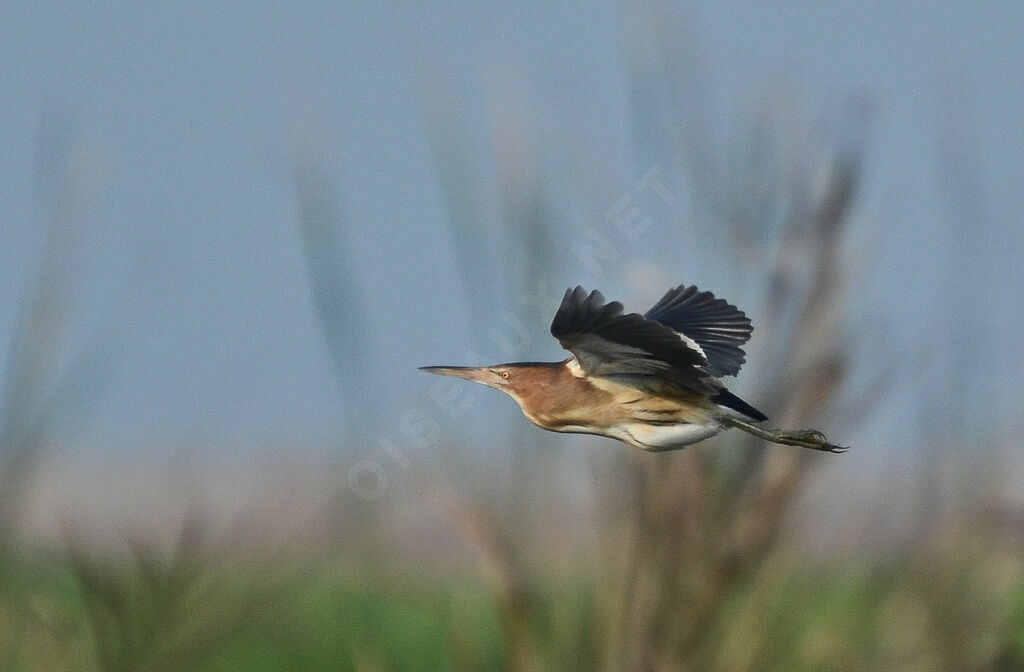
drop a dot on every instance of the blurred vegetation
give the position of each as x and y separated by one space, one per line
940 610
680 561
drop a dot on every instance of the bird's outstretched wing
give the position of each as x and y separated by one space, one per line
607 341
717 327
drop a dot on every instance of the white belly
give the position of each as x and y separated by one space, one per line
656 437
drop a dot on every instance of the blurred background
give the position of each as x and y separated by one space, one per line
229 234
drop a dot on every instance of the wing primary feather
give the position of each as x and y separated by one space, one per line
606 341
718 327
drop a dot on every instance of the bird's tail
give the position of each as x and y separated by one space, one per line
730 400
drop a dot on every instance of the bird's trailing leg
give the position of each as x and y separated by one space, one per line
805 438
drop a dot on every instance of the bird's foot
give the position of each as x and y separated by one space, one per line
805 438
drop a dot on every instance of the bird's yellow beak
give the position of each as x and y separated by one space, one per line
478 374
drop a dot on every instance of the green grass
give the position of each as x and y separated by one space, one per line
329 624
264 619
258 621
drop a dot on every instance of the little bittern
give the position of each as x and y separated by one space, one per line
652 380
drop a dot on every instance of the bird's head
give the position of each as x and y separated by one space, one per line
512 379
499 377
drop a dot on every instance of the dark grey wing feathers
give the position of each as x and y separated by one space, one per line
606 341
580 312
719 328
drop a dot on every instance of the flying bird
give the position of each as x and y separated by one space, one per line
653 381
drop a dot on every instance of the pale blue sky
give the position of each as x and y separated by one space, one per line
181 121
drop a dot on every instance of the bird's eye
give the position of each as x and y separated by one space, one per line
504 375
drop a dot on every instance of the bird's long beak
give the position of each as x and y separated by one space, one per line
478 374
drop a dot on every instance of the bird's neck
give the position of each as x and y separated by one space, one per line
556 397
